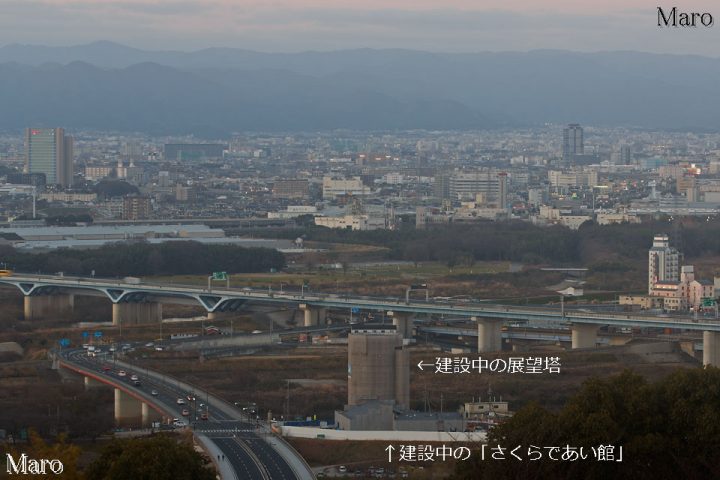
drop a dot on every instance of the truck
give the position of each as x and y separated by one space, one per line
132 280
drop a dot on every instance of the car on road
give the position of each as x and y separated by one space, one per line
204 416
106 368
149 344
112 348
159 348
190 398
137 383
185 412
134 377
179 424
122 373
181 401
342 469
153 393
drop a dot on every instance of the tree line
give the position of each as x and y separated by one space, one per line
524 242
667 429
142 258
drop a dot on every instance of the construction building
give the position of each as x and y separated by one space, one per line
378 378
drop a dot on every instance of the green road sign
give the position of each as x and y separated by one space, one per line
219 276
708 302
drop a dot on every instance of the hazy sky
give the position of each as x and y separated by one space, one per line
294 25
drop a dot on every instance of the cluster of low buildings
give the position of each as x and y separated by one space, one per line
553 175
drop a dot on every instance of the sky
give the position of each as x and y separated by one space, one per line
298 25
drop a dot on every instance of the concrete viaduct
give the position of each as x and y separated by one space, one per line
142 303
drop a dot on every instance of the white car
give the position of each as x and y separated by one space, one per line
122 373
154 393
181 401
134 377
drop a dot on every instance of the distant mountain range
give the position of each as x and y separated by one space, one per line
217 91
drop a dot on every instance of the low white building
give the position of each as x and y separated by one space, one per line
334 187
294 211
351 222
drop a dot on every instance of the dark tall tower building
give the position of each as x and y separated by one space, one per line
572 143
625 157
502 190
49 151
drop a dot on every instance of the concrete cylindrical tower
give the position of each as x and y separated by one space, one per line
372 363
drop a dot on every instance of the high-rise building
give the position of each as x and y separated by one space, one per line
442 186
502 190
136 207
663 262
573 143
468 185
49 151
291 188
184 193
625 155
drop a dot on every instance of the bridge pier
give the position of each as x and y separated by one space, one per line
91 383
128 409
584 335
711 348
42 306
211 316
136 313
403 322
149 415
489 334
312 315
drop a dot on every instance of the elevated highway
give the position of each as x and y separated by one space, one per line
141 303
249 450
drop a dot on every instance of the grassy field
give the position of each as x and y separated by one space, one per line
482 280
325 276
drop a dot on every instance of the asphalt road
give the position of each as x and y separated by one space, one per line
250 455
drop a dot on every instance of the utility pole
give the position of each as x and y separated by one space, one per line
287 401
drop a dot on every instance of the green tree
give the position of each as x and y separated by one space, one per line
158 457
668 429
37 448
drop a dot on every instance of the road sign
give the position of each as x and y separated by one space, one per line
85 334
708 302
219 276
98 334
64 342
355 310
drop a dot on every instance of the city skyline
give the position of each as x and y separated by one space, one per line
290 26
